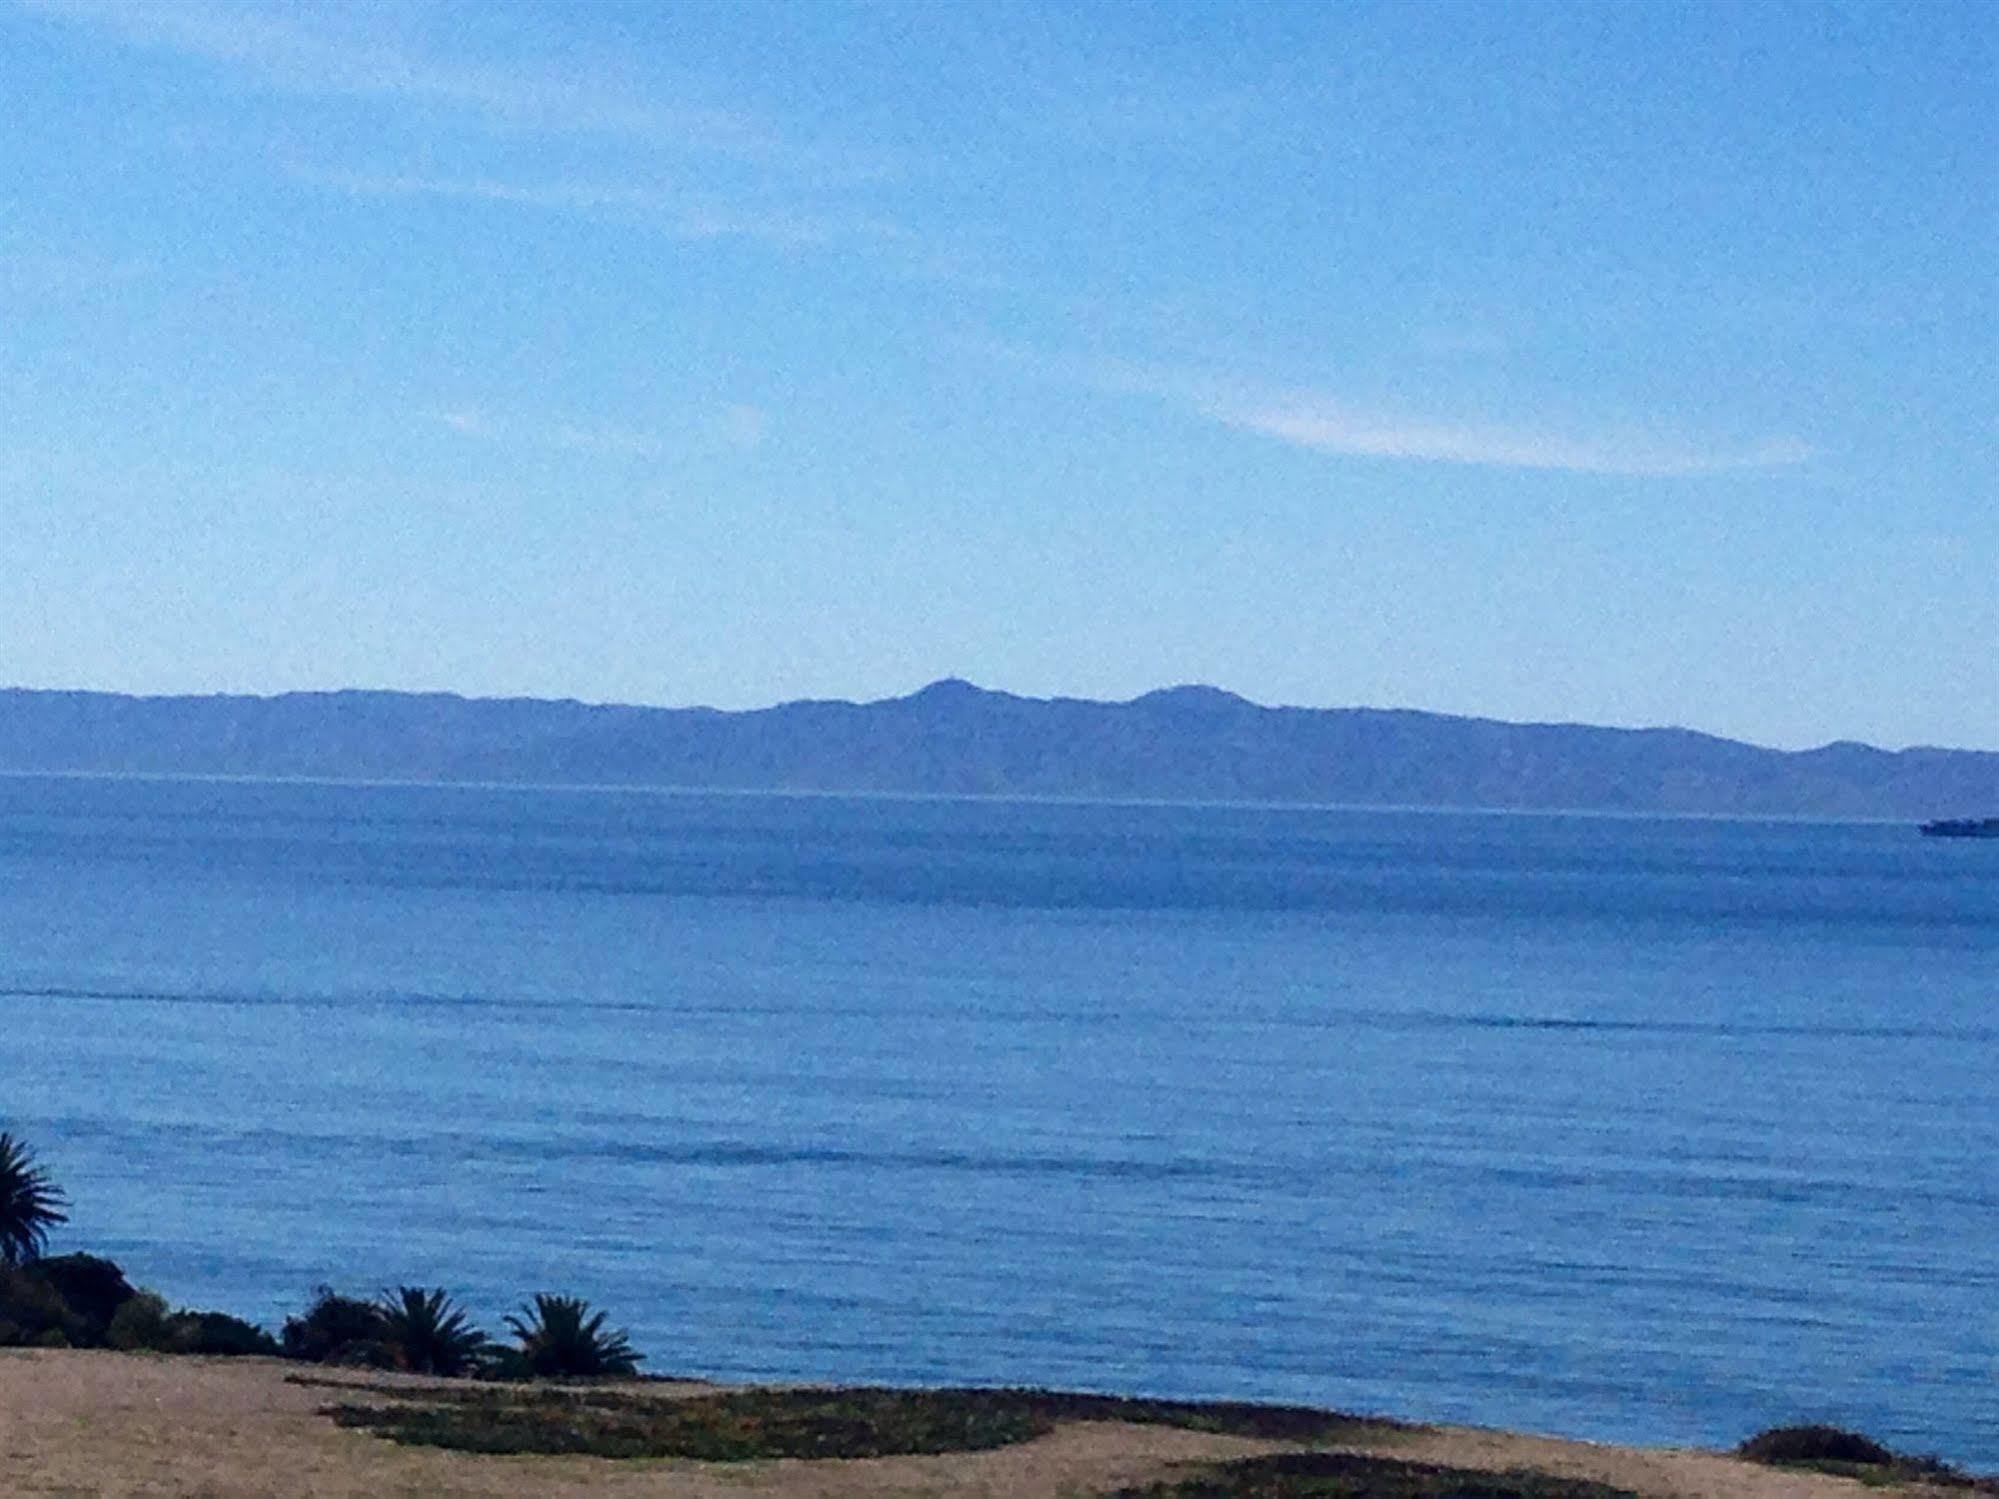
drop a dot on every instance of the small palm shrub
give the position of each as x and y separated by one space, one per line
425 1334
561 1338
30 1204
337 1329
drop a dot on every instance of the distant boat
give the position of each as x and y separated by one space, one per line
1962 827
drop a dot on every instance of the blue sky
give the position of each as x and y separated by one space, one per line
1626 363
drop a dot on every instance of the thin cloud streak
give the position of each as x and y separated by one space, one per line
680 215
1327 427
1324 423
274 51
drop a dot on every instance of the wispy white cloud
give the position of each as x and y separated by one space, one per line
1328 423
279 51
1328 426
775 187
681 215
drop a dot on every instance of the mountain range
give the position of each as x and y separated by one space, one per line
952 738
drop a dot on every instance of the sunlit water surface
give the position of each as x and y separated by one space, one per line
1658 1130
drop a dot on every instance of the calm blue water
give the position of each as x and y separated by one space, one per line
1652 1130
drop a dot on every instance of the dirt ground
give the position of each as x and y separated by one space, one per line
77 1424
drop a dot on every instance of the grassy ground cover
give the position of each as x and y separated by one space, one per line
746 1425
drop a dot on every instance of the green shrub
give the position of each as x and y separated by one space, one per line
141 1325
94 1290
1832 1449
31 1307
1793 1445
144 1324
338 1329
365 1356
217 1333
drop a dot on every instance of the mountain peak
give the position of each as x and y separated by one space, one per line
1193 697
949 690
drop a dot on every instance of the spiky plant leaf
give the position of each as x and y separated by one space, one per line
30 1203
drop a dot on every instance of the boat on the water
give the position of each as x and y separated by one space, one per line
1962 827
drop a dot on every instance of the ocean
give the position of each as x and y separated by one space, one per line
1649 1130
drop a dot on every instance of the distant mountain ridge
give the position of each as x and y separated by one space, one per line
952 738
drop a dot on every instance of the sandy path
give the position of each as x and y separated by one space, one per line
105 1424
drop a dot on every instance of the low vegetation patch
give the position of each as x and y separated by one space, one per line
746 1425
1342 1475
1804 1446
1236 1418
735 1427
1832 1449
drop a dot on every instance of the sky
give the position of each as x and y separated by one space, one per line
1623 363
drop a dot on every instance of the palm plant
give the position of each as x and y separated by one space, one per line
561 1337
30 1204
426 1334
